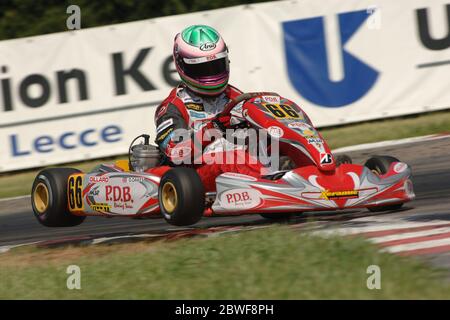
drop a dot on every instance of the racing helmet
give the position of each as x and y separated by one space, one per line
201 59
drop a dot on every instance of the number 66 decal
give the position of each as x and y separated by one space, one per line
282 111
75 191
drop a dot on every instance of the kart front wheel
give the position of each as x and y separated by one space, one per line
286 163
181 197
343 159
380 165
49 198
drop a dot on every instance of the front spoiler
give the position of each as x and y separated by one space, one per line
308 189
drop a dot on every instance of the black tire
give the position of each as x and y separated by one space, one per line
380 165
286 163
276 216
184 187
343 158
51 185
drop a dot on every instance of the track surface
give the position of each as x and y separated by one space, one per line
430 162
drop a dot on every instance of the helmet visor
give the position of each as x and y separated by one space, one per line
206 69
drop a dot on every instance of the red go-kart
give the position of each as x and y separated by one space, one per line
311 179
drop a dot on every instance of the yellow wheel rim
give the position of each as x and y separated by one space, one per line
41 198
376 172
169 197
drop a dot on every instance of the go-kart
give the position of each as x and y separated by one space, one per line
311 178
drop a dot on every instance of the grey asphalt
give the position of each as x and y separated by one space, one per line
430 163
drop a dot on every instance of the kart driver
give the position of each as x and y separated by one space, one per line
201 59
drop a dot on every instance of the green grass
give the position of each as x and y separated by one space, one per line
274 263
389 129
16 184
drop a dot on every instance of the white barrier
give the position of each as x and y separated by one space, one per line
85 94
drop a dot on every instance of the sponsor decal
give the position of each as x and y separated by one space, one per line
240 198
180 152
299 126
162 110
100 207
198 115
219 55
308 133
164 125
134 179
314 140
326 158
271 99
336 195
304 128
95 179
195 106
123 205
118 193
164 135
275 131
208 46
94 192
400 167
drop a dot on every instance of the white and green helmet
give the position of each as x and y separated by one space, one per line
201 59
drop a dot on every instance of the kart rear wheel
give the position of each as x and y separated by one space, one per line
181 197
380 165
49 198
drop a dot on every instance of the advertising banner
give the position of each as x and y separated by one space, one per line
86 94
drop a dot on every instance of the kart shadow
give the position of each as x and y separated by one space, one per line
298 219
429 217
212 226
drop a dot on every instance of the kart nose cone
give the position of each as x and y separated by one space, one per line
327 167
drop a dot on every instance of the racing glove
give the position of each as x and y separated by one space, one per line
222 122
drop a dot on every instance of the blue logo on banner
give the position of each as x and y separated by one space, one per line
307 64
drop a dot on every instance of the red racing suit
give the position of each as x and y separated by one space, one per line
184 109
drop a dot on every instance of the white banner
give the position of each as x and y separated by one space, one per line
84 94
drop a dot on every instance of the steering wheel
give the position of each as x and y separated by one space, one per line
234 102
242 97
